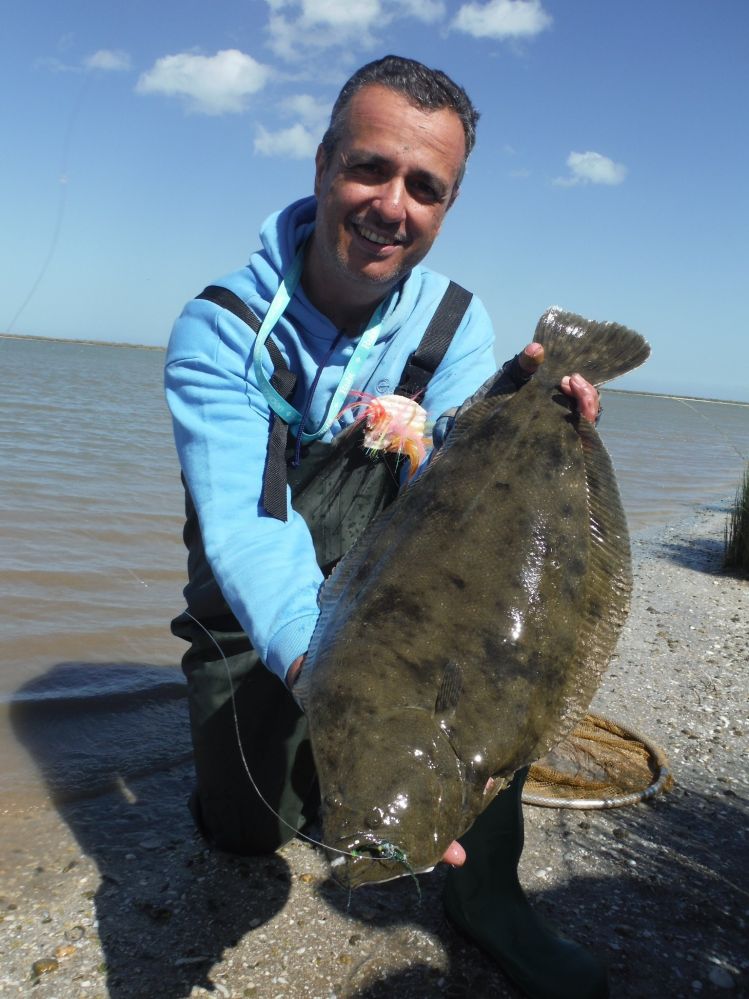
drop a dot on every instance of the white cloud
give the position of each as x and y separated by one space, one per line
429 11
108 59
219 84
312 111
348 14
591 168
54 65
318 26
502 19
298 142
301 139
105 59
298 27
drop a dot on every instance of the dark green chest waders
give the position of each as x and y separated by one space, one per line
338 490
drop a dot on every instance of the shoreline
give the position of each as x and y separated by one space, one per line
124 897
86 343
144 346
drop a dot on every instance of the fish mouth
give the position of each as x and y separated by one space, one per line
366 860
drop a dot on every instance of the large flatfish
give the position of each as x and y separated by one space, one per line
466 632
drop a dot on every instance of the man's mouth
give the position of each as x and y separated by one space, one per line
376 237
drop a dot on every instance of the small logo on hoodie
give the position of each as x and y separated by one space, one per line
383 386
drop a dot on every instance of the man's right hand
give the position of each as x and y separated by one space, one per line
292 674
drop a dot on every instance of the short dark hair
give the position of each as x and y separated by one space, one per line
426 88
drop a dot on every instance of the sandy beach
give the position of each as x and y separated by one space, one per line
117 897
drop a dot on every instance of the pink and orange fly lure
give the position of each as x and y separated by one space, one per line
392 423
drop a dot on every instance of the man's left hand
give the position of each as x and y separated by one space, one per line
585 395
575 386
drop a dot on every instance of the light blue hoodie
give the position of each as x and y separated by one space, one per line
266 568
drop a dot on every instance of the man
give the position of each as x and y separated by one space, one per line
344 303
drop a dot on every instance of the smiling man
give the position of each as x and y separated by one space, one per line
259 368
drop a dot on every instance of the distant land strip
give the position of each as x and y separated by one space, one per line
89 343
678 398
143 346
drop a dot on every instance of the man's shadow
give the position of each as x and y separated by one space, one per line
112 742
664 903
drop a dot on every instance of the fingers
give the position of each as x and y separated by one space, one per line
585 395
454 855
293 672
532 357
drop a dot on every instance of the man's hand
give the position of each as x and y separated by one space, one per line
531 357
585 395
454 855
293 672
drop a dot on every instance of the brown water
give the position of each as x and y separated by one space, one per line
92 564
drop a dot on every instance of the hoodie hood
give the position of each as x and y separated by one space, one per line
283 233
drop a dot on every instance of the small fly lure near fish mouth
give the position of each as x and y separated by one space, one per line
377 851
394 423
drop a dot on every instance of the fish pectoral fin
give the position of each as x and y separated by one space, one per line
493 787
450 690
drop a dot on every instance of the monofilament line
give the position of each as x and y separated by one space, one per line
389 851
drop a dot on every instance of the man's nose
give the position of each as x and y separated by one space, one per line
391 200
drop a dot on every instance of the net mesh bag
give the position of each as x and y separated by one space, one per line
601 764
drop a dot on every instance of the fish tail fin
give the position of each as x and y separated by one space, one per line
598 351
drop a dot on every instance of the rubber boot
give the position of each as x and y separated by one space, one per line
484 900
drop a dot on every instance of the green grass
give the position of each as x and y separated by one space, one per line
737 529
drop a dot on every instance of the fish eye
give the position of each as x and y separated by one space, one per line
374 817
333 800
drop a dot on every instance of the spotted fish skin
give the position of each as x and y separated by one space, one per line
466 632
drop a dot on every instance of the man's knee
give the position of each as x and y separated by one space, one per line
241 831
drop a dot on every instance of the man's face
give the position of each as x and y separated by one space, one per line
384 191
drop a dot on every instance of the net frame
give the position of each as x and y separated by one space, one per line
594 738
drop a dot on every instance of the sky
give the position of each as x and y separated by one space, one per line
143 144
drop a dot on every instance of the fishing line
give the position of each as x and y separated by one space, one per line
61 206
389 850
714 426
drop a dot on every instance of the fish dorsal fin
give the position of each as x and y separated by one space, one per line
450 690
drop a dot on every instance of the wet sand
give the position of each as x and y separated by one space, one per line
117 897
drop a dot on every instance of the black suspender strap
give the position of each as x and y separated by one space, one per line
228 300
283 381
437 338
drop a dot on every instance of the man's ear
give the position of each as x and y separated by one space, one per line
321 162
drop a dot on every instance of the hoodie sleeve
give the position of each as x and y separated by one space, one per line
266 569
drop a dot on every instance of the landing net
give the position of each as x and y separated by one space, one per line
601 764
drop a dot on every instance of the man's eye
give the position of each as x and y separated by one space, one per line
424 191
365 169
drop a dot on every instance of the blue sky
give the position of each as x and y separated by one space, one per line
144 143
